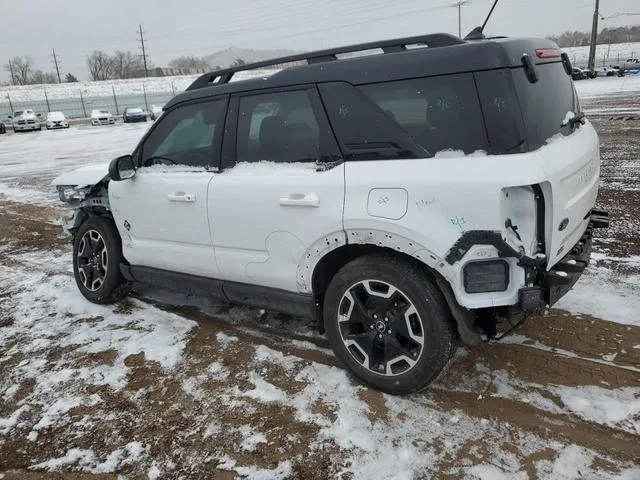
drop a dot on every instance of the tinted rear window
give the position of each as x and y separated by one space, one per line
440 113
545 104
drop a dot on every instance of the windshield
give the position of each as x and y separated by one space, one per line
55 116
17 114
134 110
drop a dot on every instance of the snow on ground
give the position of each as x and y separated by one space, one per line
612 54
603 293
29 162
606 86
106 88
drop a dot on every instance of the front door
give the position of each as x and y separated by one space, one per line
161 213
282 189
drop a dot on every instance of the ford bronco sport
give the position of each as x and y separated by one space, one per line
404 199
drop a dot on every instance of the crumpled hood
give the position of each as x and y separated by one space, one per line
83 176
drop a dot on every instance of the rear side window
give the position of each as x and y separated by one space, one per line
545 103
281 127
364 131
440 113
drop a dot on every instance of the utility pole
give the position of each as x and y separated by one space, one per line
55 61
13 78
594 37
144 53
459 5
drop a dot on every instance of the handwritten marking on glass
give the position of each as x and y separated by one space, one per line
458 222
423 203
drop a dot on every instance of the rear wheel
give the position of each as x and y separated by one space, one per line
97 253
389 323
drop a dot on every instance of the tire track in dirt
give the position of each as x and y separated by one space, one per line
587 336
529 365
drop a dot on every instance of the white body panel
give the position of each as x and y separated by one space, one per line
165 211
446 197
83 176
264 220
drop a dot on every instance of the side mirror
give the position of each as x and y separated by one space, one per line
122 168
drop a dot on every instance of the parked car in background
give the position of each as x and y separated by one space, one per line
134 114
56 120
155 112
631 64
25 120
3 129
587 72
578 74
102 117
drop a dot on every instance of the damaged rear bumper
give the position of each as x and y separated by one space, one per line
552 285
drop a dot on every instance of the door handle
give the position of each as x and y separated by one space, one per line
300 200
182 197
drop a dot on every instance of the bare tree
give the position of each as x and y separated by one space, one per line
187 61
100 65
39 77
70 78
126 64
20 69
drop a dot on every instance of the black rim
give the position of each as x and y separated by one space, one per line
380 327
92 260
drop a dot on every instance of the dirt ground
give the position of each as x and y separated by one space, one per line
192 420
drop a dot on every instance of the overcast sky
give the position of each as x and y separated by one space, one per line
201 27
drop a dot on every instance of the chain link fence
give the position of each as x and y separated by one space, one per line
79 105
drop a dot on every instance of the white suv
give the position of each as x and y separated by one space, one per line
26 120
404 199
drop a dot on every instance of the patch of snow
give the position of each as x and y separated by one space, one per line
267 168
74 456
217 371
7 424
212 430
571 463
263 391
225 339
601 293
250 438
491 472
568 117
281 472
450 153
60 407
154 472
600 405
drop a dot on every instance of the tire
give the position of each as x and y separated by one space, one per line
422 338
97 282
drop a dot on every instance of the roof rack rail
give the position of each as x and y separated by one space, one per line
320 56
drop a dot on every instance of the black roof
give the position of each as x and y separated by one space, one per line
443 55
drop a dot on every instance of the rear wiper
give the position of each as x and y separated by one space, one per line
575 120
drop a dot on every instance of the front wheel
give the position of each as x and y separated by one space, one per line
388 323
97 253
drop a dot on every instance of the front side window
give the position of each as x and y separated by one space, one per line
278 127
185 136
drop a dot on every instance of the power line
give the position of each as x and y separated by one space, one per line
55 61
144 54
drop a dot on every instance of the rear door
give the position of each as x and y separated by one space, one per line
281 189
161 213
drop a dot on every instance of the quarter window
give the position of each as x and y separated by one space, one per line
440 113
185 136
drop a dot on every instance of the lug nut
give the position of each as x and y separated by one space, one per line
371 327
379 335
389 332
375 315
386 319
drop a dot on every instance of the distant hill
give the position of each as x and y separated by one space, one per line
606 36
224 58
